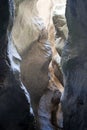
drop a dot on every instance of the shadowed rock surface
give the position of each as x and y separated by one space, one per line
49 111
74 64
15 108
48 108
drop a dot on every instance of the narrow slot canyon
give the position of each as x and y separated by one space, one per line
39 33
42 63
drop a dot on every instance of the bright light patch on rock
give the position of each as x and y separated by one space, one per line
13 56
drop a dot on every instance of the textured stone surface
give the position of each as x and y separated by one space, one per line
60 26
15 107
35 68
74 65
31 37
49 112
27 26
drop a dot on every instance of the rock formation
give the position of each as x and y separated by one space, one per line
60 26
48 107
49 112
31 39
51 118
35 68
74 65
27 26
15 108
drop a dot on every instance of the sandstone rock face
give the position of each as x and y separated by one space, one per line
56 78
54 10
17 3
45 12
35 68
44 111
32 40
27 26
49 112
15 107
60 26
31 37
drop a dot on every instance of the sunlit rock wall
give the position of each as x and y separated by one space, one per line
61 30
30 37
27 26
34 38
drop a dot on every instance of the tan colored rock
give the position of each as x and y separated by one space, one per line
54 81
31 39
27 26
34 67
45 12
17 3
59 116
